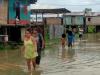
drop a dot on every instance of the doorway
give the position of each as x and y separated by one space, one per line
14 34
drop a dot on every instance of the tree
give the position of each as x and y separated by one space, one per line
87 11
32 1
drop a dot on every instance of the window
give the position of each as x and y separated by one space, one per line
89 19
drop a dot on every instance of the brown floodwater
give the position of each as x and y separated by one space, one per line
82 59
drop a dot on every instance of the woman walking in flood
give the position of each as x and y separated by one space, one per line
30 50
40 45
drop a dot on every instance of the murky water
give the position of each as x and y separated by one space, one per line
82 59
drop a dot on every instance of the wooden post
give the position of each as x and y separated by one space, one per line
36 18
5 37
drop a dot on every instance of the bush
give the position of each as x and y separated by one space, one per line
2 47
9 47
91 29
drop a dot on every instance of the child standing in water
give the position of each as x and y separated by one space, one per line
30 50
80 33
70 38
63 41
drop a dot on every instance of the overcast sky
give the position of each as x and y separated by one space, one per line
73 5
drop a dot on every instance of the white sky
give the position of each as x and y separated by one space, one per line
73 5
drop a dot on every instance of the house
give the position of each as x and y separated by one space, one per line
49 19
73 20
10 10
93 20
15 17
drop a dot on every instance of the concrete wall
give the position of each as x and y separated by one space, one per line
22 34
55 31
93 20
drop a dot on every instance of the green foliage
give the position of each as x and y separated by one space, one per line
2 47
46 32
9 46
50 44
91 29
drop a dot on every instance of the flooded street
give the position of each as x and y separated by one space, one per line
82 59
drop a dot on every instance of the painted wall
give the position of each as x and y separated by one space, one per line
73 20
24 13
79 20
67 20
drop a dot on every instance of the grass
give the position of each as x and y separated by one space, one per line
8 47
50 43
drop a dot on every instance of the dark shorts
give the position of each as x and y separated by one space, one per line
69 44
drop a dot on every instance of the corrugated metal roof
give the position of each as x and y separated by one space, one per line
74 13
57 11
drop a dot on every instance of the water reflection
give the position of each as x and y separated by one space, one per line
64 53
71 53
68 54
87 51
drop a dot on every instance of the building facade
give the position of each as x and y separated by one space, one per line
14 17
93 21
18 9
50 20
73 20
77 19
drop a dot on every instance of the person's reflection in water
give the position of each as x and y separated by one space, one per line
68 55
71 53
64 53
80 45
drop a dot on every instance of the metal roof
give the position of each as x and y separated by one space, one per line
74 14
56 11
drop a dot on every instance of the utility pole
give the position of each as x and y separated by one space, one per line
84 25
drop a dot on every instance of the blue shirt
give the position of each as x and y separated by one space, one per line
71 38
